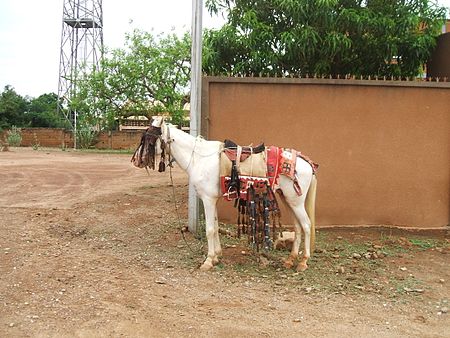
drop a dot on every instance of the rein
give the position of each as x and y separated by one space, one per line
145 157
170 159
180 224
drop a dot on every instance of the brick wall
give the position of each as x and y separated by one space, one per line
46 137
58 138
118 140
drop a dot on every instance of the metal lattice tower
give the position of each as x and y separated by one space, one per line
81 46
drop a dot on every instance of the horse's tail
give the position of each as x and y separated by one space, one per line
310 206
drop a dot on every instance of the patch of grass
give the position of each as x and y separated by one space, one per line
106 151
404 286
424 244
339 266
408 244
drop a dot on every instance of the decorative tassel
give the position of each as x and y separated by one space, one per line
162 167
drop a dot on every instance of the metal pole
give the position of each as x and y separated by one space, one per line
75 129
196 82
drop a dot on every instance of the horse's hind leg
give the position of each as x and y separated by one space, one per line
303 218
289 262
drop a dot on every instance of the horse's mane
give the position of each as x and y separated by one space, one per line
145 154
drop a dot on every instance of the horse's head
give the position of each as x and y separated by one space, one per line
152 143
158 121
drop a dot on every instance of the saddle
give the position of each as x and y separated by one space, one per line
231 149
248 160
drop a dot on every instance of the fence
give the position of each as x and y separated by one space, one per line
383 146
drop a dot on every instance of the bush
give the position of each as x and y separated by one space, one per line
35 144
85 137
14 136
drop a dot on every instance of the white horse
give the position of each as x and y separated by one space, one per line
200 159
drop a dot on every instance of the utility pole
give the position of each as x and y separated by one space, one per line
195 112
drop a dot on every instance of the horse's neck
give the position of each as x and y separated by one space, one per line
182 147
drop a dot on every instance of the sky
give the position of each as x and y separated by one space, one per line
30 35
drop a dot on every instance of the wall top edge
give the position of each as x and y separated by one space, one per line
381 82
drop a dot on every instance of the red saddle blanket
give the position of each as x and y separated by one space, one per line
273 160
280 161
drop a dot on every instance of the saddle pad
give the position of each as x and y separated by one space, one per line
254 165
263 167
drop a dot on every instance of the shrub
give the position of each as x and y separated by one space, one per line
85 137
14 136
35 144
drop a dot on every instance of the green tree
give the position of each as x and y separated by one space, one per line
12 108
289 37
29 112
42 112
150 75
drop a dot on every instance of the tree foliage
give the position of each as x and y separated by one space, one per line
12 108
359 37
42 112
149 75
28 112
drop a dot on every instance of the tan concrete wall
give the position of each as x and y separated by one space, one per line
383 147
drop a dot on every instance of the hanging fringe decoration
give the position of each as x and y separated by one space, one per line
258 212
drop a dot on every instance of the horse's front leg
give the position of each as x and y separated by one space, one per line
217 246
209 205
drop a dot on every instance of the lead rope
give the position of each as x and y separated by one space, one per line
180 226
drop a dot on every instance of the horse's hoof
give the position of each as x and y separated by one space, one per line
206 266
215 260
288 263
302 267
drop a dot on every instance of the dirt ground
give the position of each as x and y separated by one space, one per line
90 247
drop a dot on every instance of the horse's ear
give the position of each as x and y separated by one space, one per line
157 121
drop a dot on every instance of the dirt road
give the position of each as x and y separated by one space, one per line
90 247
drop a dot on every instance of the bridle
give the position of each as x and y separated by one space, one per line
168 145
